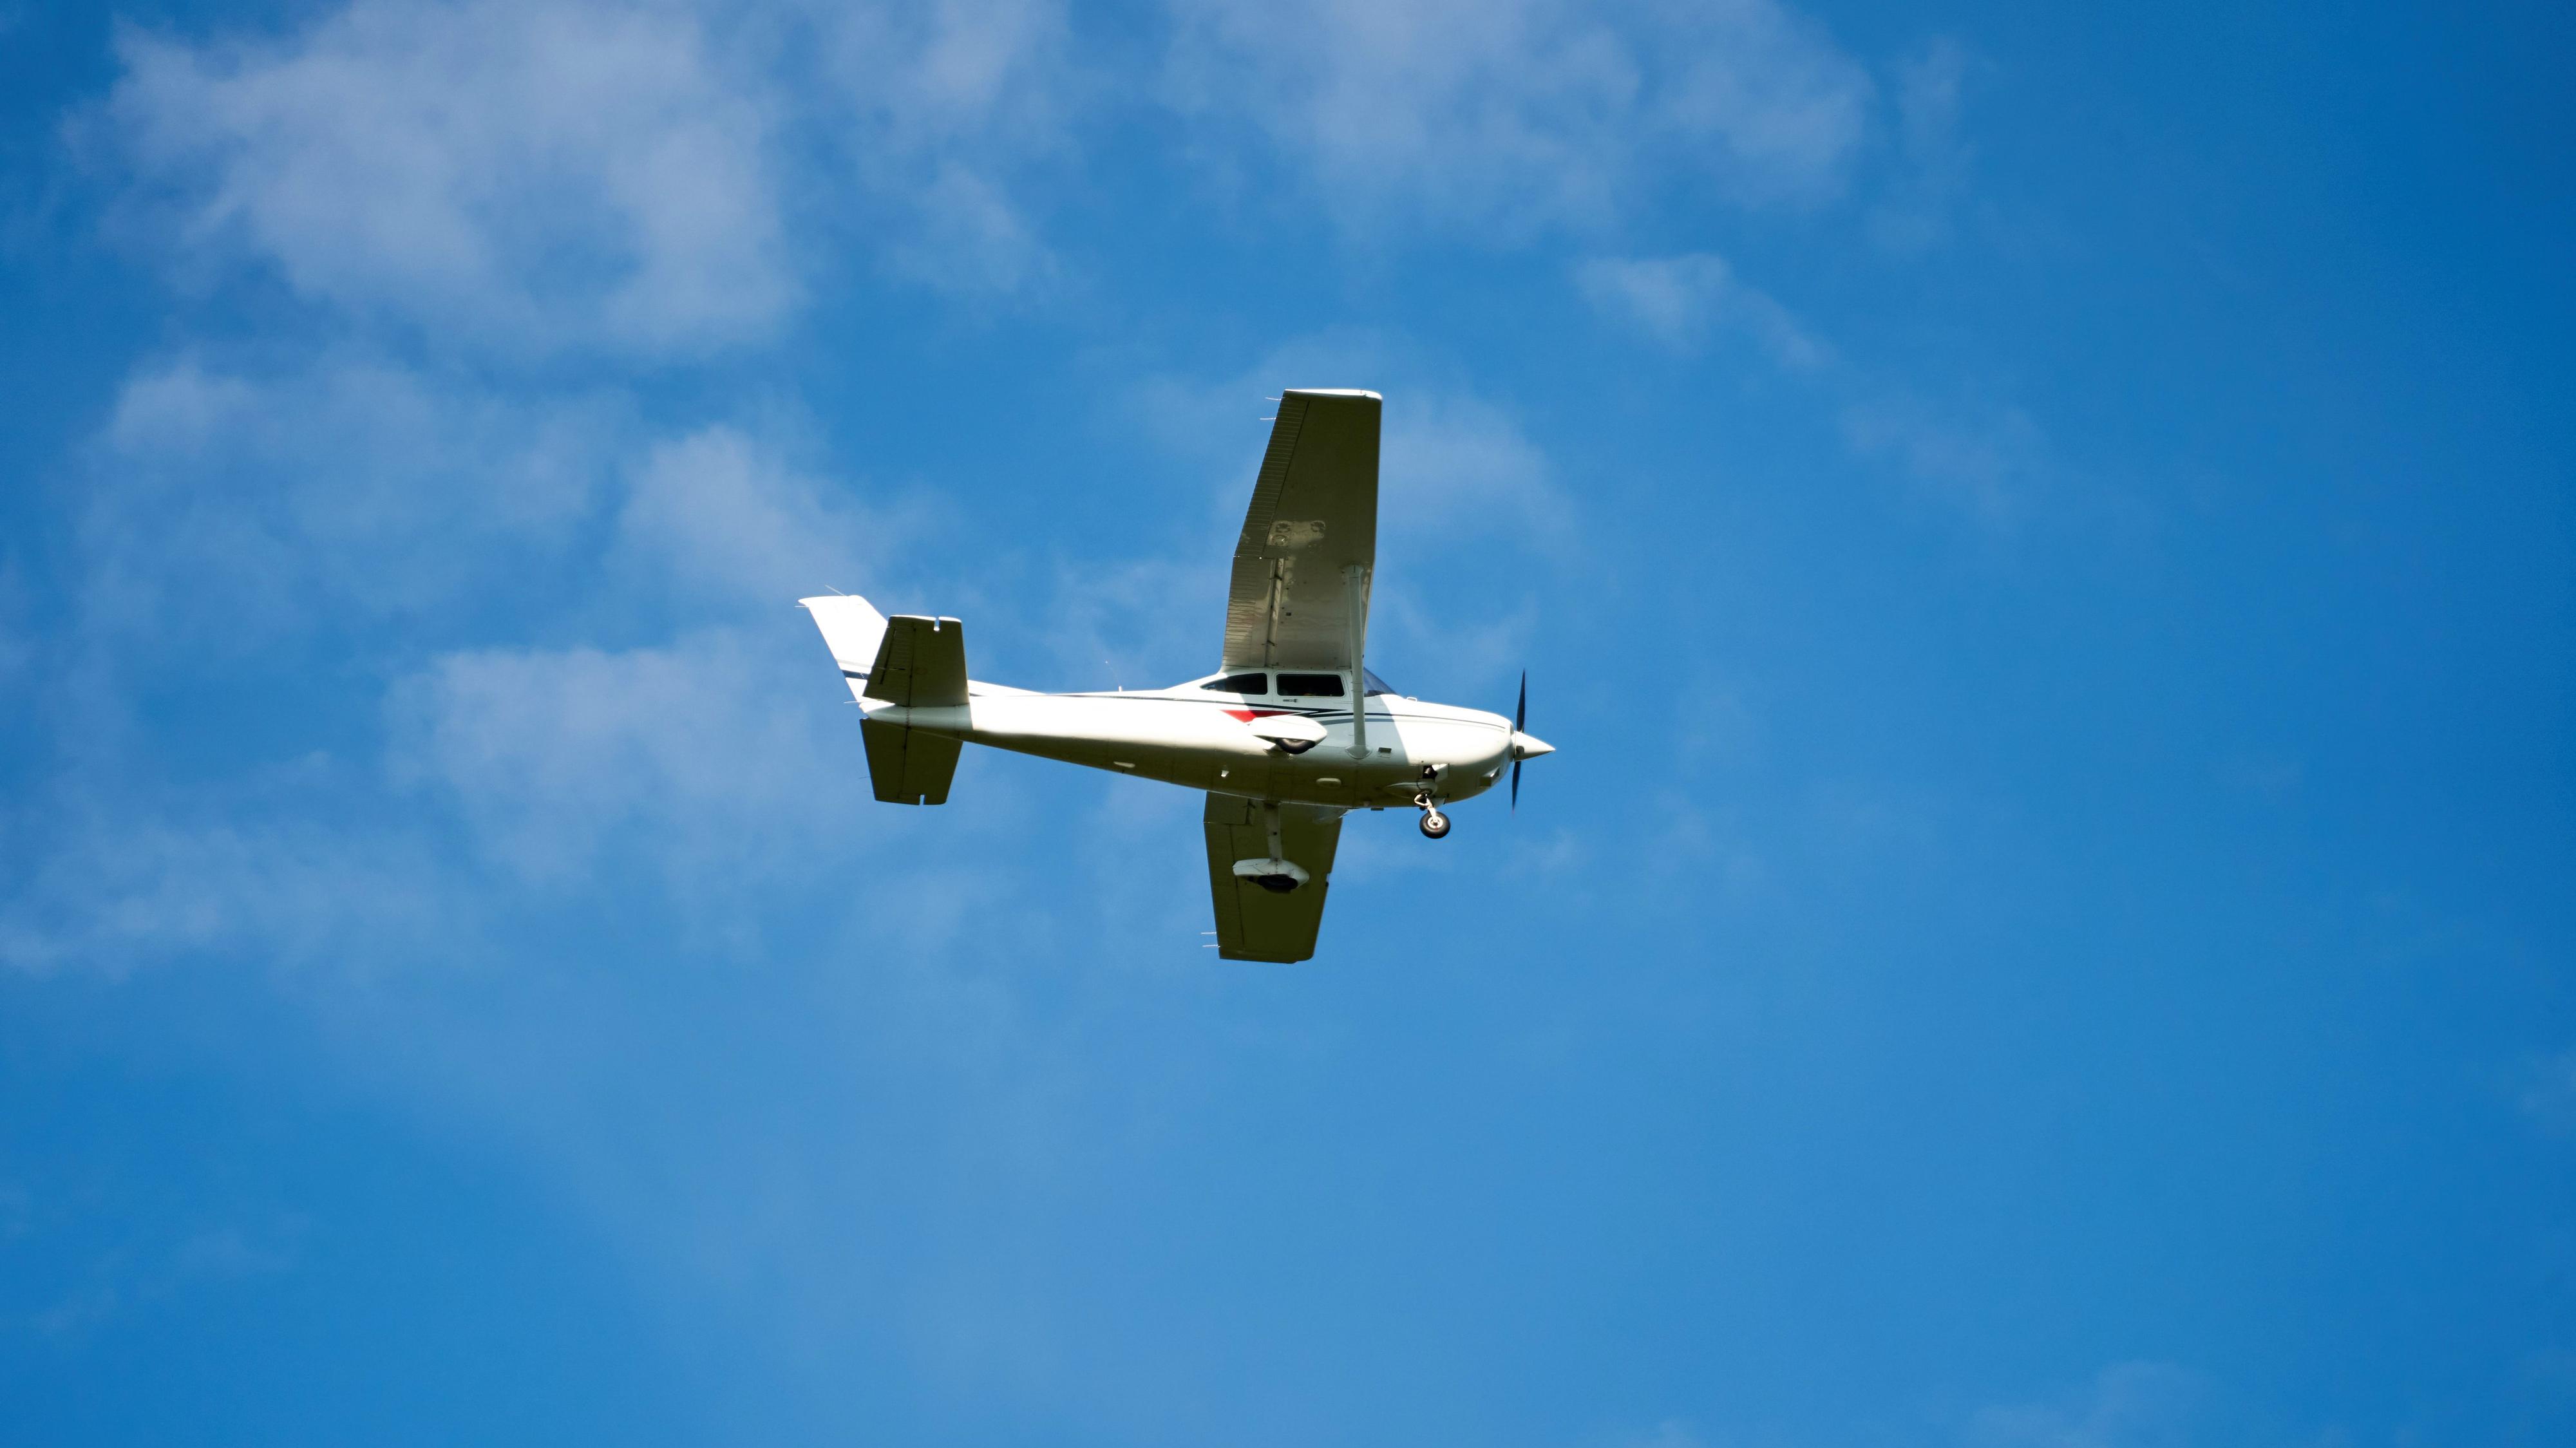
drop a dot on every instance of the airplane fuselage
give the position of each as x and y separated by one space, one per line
1287 736
1188 737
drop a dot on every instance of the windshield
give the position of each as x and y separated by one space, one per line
1376 685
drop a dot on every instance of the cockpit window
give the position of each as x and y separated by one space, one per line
1376 685
1240 684
1327 686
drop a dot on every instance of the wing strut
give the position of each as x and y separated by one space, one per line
1270 612
1355 577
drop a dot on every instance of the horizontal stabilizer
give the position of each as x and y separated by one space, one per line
909 766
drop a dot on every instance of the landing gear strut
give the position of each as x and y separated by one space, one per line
1434 824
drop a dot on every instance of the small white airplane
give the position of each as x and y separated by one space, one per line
1272 735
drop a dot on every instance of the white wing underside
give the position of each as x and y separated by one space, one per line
1313 519
1253 923
1298 600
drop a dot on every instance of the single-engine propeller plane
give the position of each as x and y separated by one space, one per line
1289 734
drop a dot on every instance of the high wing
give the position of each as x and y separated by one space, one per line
1299 599
1253 923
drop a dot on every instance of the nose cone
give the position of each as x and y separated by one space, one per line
1529 746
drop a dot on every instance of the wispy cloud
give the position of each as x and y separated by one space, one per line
287 495
117 887
1526 112
717 514
528 180
679 756
928 78
529 176
2130 1405
1681 301
2548 1094
1933 152
1982 458
948 115
967 235
672 179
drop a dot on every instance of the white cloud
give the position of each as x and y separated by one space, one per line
1671 1433
720 516
1528 111
229 504
1681 300
927 77
1136 623
115 889
1930 90
534 176
1983 461
968 236
1981 458
2549 1093
663 179
561 175
2130 1405
555 753
1462 467
234 506
227 510
944 111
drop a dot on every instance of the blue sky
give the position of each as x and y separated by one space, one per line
2043 540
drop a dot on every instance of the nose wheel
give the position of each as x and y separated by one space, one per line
1435 825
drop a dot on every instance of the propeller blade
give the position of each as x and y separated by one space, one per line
1520 716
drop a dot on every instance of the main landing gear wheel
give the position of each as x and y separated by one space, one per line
1434 824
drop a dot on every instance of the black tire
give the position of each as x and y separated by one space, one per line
1434 825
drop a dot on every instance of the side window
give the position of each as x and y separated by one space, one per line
1240 684
1328 686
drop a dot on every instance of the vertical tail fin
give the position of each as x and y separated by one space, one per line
911 663
854 630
